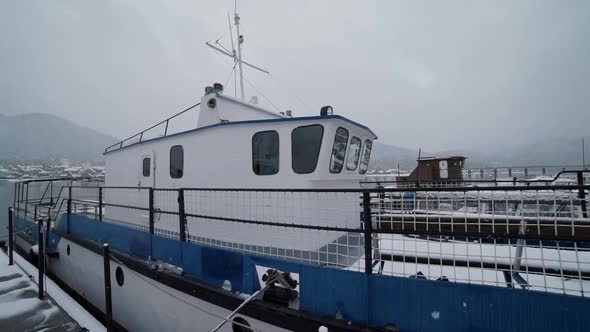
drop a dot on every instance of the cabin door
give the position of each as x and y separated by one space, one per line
147 176
443 166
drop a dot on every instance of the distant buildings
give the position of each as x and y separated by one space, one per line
60 168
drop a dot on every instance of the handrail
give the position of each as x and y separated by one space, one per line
362 190
140 134
515 180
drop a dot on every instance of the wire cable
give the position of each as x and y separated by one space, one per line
148 280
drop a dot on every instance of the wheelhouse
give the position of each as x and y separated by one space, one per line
259 150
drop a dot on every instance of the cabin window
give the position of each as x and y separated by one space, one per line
354 151
366 156
176 161
305 148
339 150
265 153
146 166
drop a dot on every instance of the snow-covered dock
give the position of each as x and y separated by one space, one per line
22 310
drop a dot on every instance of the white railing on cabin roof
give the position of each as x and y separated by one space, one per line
143 135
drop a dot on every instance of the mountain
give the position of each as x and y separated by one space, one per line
384 156
40 137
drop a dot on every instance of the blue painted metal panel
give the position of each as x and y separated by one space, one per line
328 291
167 250
222 265
423 305
192 263
125 239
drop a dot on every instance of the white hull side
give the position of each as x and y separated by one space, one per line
141 304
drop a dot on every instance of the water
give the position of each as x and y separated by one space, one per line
6 198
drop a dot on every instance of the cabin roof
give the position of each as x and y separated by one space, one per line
303 118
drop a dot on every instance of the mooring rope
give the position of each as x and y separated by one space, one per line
182 300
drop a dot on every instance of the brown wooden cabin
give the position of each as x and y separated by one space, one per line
436 170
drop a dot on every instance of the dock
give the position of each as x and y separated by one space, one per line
22 310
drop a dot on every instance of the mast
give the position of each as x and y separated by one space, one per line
236 56
240 41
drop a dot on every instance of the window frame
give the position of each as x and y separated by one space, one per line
317 157
358 154
345 150
278 151
149 166
363 153
182 164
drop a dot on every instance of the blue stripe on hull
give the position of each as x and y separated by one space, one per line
378 300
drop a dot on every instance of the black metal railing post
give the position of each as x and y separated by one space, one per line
26 201
69 209
51 193
582 195
368 230
107 287
181 215
22 192
47 228
14 198
151 204
100 203
10 238
40 258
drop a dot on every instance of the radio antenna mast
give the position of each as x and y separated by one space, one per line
237 56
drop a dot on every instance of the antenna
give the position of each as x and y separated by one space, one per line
237 56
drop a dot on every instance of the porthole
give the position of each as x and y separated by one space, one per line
211 103
239 324
68 249
119 276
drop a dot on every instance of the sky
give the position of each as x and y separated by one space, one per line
439 75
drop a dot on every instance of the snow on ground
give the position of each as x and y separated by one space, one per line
21 310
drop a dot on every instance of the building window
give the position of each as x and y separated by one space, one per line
176 161
339 150
265 153
354 151
305 148
146 166
366 156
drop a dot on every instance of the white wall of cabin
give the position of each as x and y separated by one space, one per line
221 157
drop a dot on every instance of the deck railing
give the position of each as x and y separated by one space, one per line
529 237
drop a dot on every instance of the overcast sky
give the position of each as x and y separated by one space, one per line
432 74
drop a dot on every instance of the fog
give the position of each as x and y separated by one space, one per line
433 74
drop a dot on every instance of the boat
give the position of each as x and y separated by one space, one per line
256 220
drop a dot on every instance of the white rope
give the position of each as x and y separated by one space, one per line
180 299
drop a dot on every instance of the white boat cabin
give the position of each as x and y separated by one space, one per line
241 145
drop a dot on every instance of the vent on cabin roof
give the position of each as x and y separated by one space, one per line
326 110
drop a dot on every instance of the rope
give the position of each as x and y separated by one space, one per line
147 280
262 94
19 231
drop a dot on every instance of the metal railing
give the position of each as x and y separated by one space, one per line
567 177
531 237
120 144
